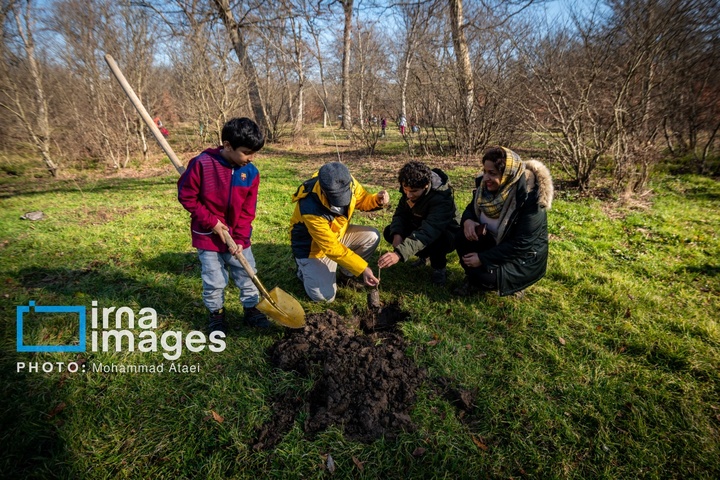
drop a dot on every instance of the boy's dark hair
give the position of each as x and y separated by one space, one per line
496 155
243 132
414 175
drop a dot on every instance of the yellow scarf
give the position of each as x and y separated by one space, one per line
491 203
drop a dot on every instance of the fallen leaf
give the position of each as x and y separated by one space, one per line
330 464
218 418
358 463
627 313
622 349
58 408
518 355
468 347
432 343
479 444
599 328
418 452
561 340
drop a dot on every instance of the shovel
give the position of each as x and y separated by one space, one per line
276 304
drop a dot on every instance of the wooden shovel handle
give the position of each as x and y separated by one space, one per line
234 247
144 114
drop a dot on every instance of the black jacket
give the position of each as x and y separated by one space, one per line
433 215
521 252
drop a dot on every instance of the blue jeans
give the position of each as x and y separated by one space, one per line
318 274
215 266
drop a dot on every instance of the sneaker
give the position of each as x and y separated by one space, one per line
466 289
520 294
420 262
349 282
439 277
255 318
216 322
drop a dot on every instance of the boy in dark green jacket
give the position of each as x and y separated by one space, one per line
425 221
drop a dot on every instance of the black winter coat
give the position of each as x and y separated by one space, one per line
521 252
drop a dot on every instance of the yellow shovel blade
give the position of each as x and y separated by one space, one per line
288 312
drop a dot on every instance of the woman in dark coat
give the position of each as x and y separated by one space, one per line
503 242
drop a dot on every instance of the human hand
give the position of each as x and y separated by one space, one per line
222 230
397 240
469 230
471 260
388 260
219 228
383 197
369 278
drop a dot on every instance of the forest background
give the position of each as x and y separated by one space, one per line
630 83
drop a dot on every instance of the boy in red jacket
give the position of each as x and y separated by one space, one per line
219 189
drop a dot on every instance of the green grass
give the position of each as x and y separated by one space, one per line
608 368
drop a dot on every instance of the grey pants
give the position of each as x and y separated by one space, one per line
318 274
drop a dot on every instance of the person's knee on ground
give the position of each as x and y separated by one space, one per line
321 293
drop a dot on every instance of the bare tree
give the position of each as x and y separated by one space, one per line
569 106
26 101
466 83
347 6
235 32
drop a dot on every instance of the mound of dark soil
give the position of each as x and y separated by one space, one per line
363 382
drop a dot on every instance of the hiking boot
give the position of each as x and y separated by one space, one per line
420 262
255 318
466 289
439 277
349 282
216 322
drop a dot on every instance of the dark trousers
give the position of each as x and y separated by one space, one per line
436 251
483 276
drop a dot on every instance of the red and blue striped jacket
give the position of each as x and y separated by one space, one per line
212 189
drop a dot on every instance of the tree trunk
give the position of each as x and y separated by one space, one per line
348 10
256 100
40 132
462 55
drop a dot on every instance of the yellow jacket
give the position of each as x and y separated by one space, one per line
315 230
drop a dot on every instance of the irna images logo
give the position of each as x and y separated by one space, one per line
114 329
22 310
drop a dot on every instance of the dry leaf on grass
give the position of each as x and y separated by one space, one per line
217 417
561 340
418 452
358 463
479 443
330 464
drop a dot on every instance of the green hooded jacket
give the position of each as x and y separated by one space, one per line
432 216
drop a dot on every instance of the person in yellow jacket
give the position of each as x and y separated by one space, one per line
322 237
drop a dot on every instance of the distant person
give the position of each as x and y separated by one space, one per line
425 222
383 125
164 131
322 237
219 189
402 123
503 245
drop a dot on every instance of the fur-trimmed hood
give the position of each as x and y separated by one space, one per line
538 176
